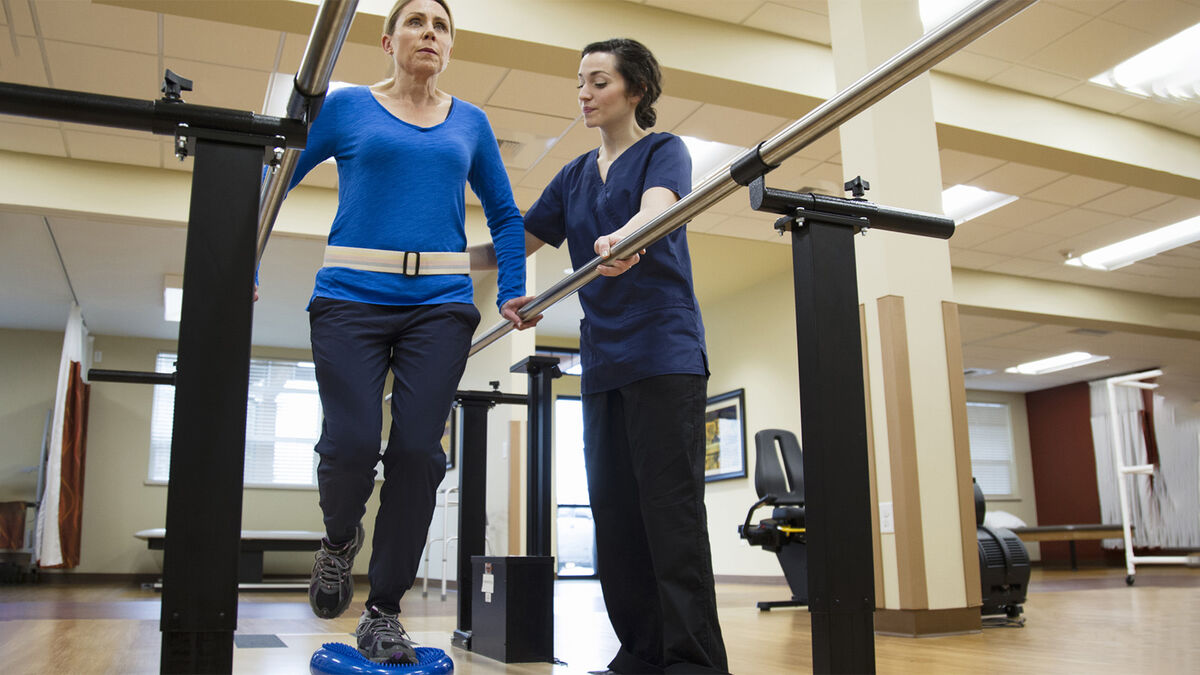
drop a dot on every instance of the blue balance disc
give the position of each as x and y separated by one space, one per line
335 658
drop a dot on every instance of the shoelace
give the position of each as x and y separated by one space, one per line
332 567
385 627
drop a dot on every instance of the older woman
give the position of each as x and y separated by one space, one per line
394 293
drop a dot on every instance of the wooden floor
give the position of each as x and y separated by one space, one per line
1076 622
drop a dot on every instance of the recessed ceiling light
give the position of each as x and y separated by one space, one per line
1129 251
964 202
1056 363
172 297
1168 71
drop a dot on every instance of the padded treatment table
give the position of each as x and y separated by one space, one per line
250 559
1069 534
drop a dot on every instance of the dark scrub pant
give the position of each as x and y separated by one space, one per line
644 449
354 345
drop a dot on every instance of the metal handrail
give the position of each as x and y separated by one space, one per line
330 28
939 43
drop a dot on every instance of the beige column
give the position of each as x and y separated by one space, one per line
927 572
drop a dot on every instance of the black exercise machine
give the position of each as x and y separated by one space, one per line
779 481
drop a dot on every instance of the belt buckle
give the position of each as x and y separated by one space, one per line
416 268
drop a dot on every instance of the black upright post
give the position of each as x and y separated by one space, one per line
539 510
836 472
204 496
472 504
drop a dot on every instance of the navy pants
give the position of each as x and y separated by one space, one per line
354 345
644 450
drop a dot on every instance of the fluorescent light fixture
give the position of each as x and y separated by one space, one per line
1122 253
709 155
964 202
172 297
935 12
1056 363
1168 71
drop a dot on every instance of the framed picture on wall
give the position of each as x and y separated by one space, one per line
450 435
725 436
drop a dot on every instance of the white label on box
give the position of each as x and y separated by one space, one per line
489 584
487 597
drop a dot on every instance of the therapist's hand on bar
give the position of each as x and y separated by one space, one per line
613 267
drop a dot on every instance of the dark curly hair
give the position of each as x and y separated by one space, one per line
640 70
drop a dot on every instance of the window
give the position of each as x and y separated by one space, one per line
283 422
576 555
990 429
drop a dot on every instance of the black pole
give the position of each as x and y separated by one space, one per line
539 510
472 505
833 428
204 496
472 496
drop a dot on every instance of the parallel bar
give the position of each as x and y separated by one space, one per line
130 376
309 87
159 117
922 55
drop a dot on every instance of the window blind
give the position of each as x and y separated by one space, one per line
990 429
283 422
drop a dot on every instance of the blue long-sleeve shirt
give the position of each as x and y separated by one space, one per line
401 188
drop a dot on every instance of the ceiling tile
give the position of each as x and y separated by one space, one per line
972 234
1028 32
538 177
746 228
961 167
1016 179
1021 267
22 19
671 111
1071 222
222 86
322 175
1099 97
1020 213
578 140
99 25
105 71
1034 81
33 121
1179 208
470 81
975 329
1091 49
222 43
1190 124
503 119
1129 201
1160 17
545 94
360 64
735 204
1016 243
109 131
971 259
1089 7
34 138
113 148
713 122
524 197
966 63
820 7
1074 190
25 67
791 21
721 10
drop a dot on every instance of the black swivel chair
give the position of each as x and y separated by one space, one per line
779 481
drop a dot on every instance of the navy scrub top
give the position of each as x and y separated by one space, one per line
645 322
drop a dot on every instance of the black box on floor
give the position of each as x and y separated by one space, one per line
513 608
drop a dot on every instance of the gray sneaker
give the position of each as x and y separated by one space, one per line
382 639
332 585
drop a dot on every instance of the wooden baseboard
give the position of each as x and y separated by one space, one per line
928 622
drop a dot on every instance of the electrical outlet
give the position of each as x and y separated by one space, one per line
887 523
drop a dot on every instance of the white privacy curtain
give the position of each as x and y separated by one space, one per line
49 535
1164 508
